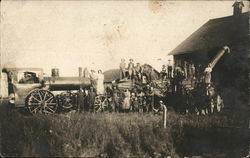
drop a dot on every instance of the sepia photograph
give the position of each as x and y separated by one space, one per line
125 78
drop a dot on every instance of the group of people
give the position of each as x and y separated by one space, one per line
144 73
199 96
97 81
195 72
86 99
138 99
166 71
137 72
141 97
203 99
114 99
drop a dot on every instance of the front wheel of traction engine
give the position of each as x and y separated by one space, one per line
41 101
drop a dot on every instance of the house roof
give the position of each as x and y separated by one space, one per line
216 33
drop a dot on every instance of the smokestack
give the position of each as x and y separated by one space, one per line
85 73
80 71
238 5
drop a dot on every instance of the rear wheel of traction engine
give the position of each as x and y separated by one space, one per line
67 101
41 101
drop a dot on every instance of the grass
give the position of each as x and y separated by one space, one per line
99 135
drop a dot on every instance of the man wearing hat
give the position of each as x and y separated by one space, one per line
28 78
122 69
149 97
80 100
163 72
131 69
138 72
92 95
170 69
116 98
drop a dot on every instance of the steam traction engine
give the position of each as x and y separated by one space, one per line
27 87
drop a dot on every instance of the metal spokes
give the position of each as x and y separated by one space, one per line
41 101
66 100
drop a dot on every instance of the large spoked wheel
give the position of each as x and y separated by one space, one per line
98 104
41 101
67 100
101 103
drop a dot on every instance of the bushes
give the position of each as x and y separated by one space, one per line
102 134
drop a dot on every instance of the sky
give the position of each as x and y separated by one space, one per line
97 34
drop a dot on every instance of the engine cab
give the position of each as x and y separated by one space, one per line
20 82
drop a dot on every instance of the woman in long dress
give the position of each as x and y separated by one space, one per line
126 102
100 86
93 78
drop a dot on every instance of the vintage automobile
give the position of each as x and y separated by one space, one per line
29 88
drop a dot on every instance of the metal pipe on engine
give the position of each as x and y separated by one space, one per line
55 72
80 72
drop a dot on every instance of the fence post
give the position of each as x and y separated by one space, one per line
164 116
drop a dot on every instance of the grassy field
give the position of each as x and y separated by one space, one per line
109 135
